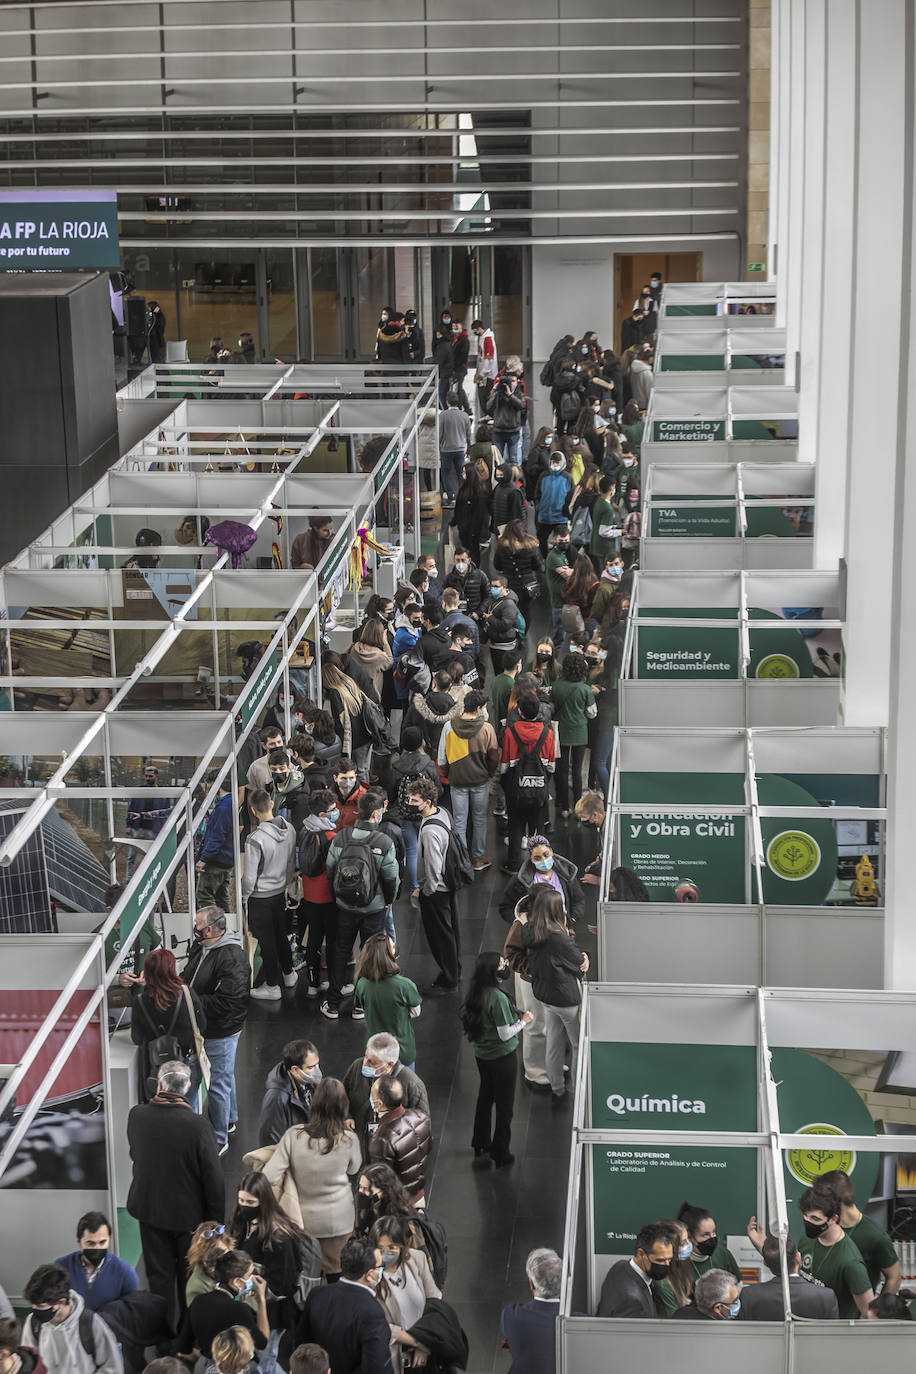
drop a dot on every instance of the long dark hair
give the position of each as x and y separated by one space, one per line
328 1113
393 1201
273 1223
483 977
581 581
160 979
471 488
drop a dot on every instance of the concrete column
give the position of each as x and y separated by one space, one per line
791 257
758 134
804 333
826 394
883 192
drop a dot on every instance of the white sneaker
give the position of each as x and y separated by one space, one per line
290 979
347 989
267 992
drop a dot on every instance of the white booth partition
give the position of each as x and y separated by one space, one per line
686 358
703 304
713 422
759 851
728 1098
727 515
731 648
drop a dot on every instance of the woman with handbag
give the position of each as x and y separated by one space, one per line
320 1158
163 1010
519 557
578 595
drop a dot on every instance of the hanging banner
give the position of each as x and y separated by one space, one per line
671 1087
694 652
671 848
801 855
58 230
687 520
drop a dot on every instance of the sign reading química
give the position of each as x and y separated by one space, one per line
58 230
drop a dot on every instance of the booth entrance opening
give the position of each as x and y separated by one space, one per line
631 270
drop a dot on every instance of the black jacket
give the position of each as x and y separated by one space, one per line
347 1321
474 587
554 966
435 646
177 1180
358 1089
520 567
537 462
409 765
507 408
501 621
506 503
440 1331
625 1294
443 356
392 343
429 714
461 347
221 977
518 887
282 1105
565 382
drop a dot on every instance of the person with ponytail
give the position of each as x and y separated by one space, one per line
492 1025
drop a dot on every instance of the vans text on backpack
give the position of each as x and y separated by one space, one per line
528 777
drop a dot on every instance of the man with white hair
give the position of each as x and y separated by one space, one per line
529 1327
381 1057
715 1298
177 1181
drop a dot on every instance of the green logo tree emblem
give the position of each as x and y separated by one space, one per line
793 855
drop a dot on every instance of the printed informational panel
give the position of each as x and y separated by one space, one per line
684 520
687 431
58 230
690 651
671 848
813 1099
671 1087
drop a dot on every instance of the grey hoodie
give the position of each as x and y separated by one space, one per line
270 859
432 847
61 1349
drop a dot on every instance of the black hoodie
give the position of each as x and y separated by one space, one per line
392 343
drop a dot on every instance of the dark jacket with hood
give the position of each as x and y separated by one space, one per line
502 621
506 503
392 343
283 1105
474 587
507 408
461 347
221 977
442 355
518 887
409 764
429 714
435 646
554 965
565 383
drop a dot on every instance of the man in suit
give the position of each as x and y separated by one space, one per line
763 1302
528 1327
177 1180
345 1318
627 1289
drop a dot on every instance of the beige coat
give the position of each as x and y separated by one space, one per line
321 1181
420 1267
373 660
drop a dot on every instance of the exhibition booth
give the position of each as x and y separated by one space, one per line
727 515
733 648
686 358
747 303
726 1097
761 852
719 423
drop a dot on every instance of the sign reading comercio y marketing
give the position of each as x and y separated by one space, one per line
58 230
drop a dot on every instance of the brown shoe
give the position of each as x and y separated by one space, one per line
481 864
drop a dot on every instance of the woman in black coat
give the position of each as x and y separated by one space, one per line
519 557
261 1228
471 516
557 967
542 867
160 1007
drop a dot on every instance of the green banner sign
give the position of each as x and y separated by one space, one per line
814 1099
693 362
58 230
383 476
693 520
691 651
257 692
671 1087
687 431
801 854
137 907
669 847
778 654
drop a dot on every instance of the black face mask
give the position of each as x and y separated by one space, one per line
706 1247
249 1210
95 1254
365 1212
503 973
658 1271
40 1315
813 1229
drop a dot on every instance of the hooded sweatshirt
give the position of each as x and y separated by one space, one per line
270 854
392 343
430 713
62 1351
468 751
314 843
373 661
502 622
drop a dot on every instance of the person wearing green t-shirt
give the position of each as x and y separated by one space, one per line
872 1241
384 998
708 1251
573 707
558 569
492 1025
501 689
604 520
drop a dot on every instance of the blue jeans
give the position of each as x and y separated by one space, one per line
474 798
389 924
601 753
410 833
509 443
451 462
557 633
222 1106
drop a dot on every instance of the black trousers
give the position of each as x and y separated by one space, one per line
574 755
440 925
322 930
165 1260
520 823
497 1089
267 922
349 925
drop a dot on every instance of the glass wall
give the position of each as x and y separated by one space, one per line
281 304
324 281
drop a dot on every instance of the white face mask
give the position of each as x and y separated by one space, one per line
432 572
461 569
628 462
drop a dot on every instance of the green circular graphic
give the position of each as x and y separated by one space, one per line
793 855
777 666
807 1165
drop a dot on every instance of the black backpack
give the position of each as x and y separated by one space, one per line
410 813
529 779
86 1333
163 1048
375 724
355 880
436 1244
570 405
459 871
545 378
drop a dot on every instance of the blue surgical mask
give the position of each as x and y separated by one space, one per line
367 1072
246 1287
685 1251
497 592
734 1309
543 865
334 815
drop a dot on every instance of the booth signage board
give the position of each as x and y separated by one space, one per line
814 1099
709 522
383 475
671 1087
687 431
688 651
58 230
138 905
254 700
669 847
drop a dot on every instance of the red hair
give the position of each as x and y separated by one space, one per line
160 975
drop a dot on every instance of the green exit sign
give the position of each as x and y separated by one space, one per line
755 267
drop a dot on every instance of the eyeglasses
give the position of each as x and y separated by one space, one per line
212 1232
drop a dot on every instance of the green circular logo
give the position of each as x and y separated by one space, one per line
777 665
807 1165
793 855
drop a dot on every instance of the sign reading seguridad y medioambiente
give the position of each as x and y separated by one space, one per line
58 230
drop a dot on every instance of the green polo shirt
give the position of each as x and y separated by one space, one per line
874 1245
497 1011
570 700
603 516
387 1006
556 558
838 1266
721 1258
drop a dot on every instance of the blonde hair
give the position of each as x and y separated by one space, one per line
232 1350
350 695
